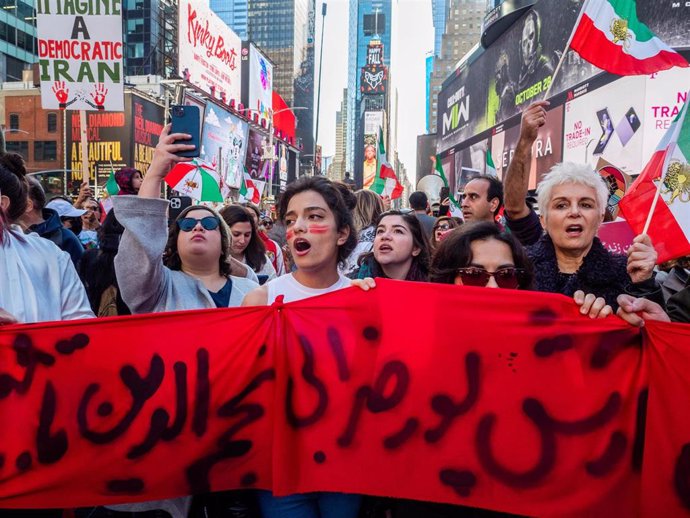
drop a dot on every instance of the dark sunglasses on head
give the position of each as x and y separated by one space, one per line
187 224
508 277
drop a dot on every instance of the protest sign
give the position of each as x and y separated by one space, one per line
543 415
80 54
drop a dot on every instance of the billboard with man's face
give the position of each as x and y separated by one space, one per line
518 68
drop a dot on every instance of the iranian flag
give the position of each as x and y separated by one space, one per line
490 167
386 182
662 193
249 191
455 210
610 36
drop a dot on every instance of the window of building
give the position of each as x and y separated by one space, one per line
14 121
18 146
374 24
52 122
45 150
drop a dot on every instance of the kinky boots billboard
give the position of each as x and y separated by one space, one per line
117 139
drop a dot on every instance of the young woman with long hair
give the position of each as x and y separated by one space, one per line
245 244
401 249
368 208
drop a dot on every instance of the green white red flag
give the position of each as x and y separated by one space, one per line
610 36
249 190
490 167
667 175
386 182
454 205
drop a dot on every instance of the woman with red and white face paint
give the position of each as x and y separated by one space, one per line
319 235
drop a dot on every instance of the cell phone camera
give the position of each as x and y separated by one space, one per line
178 111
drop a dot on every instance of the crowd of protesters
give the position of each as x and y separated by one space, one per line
61 260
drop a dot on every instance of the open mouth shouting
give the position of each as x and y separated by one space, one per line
301 246
384 248
574 230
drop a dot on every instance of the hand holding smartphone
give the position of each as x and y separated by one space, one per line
185 119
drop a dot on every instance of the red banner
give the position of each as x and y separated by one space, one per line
666 474
490 398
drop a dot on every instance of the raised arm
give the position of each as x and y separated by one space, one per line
516 180
141 275
164 158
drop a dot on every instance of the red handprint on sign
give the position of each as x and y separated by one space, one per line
98 95
61 93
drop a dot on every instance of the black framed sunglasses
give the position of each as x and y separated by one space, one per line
443 227
187 224
507 277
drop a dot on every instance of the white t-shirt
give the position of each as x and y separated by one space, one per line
292 290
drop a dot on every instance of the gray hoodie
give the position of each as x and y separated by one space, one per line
147 285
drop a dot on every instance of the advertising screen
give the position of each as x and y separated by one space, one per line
225 135
256 166
260 82
208 51
147 126
426 151
517 69
606 123
547 149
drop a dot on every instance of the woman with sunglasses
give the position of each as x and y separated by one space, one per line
443 225
195 270
320 236
480 254
401 249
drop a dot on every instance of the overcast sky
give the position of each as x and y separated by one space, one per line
412 39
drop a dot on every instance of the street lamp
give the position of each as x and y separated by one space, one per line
273 156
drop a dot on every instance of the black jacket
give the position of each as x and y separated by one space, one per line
602 274
679 306
64 238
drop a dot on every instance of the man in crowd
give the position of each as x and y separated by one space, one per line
45 221
482 199
420 205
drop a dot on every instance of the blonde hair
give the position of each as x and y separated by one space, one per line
367 210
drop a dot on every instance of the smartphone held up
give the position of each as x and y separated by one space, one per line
185 119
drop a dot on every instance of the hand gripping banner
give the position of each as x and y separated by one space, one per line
499 399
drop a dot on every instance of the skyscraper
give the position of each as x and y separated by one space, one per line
18 39
338 167
439 11
141 30
462 32
284 30
233 13
369 20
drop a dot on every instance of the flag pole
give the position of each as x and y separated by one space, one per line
565 50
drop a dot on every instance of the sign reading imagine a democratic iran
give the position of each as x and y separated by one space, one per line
80 54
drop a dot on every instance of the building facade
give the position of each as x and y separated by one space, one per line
339 165
368 20
17 38
233 13
31 131
284 30
462 32
439 11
